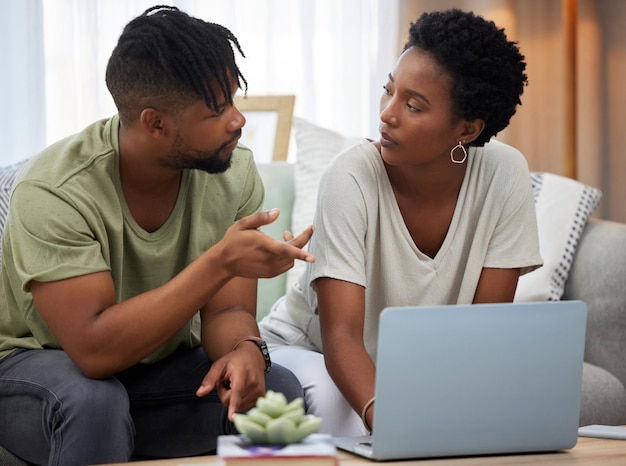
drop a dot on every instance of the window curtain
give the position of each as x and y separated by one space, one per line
22 89
332 54
571 121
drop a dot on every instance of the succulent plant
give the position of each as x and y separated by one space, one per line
274 421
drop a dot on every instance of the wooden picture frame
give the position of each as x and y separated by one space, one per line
267 116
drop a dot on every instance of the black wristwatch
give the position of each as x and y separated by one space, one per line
264 351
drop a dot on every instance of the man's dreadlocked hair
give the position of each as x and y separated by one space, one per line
167 59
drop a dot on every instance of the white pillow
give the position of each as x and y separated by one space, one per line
7 177
315 148
563 206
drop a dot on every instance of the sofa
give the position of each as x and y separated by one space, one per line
585 259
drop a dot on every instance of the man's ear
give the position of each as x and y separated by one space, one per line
152 121
471 129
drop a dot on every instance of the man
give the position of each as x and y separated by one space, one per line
131 253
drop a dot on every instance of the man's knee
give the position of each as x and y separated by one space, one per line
98 412
82 418
283 380
102 401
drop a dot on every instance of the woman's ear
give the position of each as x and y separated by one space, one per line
471 129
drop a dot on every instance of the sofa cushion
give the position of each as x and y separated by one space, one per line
7 177
315 148
603 397
279 193
598 279
563 206
9 459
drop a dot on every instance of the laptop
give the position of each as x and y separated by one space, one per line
480 379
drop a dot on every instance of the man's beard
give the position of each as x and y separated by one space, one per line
184 157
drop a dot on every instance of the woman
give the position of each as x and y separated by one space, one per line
435 212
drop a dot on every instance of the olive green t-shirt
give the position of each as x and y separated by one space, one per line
68 217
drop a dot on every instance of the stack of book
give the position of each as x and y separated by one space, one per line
314 450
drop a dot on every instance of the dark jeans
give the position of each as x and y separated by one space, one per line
50 413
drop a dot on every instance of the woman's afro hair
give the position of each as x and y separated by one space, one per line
487 71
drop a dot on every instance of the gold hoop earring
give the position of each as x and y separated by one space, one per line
459 145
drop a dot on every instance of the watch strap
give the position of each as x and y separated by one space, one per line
262 347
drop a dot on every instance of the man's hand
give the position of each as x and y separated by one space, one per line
250 253
238 377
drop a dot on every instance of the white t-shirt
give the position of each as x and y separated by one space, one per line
360 236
